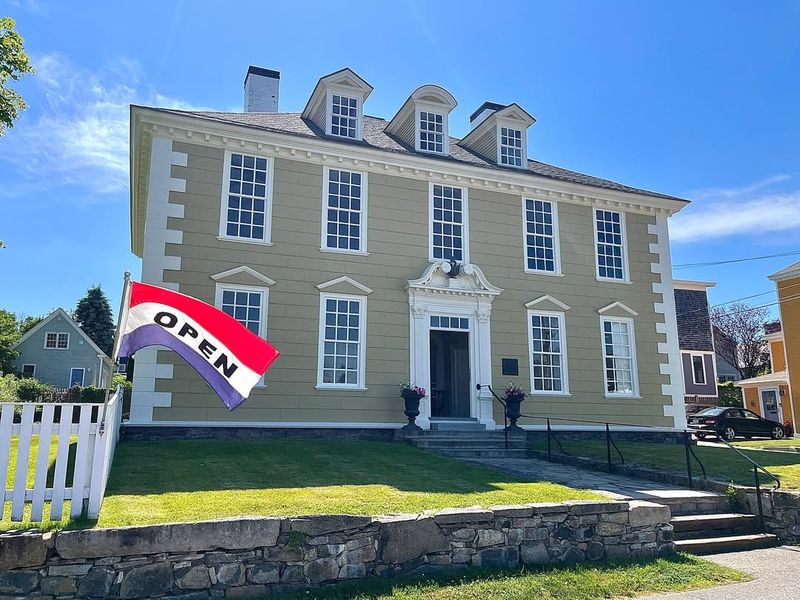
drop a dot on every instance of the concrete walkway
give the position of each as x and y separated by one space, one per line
617 487
776 572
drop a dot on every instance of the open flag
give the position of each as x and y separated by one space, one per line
224 352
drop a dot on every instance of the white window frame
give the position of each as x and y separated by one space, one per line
420 108
347 92
57 334
223 208
33 374
264 291
562 328
634 362
465 224
499 138
623 223
362 342
83 377
324 219
556 239
702 358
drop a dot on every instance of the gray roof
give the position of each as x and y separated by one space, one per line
694 321
375 137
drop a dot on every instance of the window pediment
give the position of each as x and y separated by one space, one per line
243 275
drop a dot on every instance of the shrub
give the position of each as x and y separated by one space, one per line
788 428
118 380
32 390
730 395
8 388
93 394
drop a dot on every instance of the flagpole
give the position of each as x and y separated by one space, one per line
123 305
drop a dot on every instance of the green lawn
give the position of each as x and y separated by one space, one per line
582 582
157 482
784 443
720 463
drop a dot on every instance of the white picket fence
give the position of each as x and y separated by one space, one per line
91 429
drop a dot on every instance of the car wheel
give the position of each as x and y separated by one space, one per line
700 436
778 432
728 434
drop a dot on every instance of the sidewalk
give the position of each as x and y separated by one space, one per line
776 572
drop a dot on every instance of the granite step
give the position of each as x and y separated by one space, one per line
689 527
729 543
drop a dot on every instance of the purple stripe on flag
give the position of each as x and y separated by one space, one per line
155 335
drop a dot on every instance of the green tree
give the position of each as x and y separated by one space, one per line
9 335
93 314
14 62
28 323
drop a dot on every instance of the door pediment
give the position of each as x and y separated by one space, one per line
470 281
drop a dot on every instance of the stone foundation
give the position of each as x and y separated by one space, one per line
253 557
139 433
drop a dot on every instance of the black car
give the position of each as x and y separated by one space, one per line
730 423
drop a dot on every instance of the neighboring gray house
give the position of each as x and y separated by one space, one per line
696 341
58 352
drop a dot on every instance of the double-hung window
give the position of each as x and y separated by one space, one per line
610 245
540 219
548 352
449 234
431 132
56 340
510 146
246 198
698 369
342 337
619 356
344 211
344 116
247 305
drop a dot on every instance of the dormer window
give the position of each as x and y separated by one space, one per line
421 123
336 104
510 147
344 116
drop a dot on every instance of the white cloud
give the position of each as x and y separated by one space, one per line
77 131
724 213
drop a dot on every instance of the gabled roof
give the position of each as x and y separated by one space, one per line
60 312
375 137
792 270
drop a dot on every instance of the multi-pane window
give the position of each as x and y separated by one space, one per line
510 147
341 340
448 239
245 306
56 341
246 198
28 371
610 244
344 211
698 369
431 132
440 322
344 116
618 354
540 236
548 355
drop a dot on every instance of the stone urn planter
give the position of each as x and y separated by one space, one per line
513 403
411 397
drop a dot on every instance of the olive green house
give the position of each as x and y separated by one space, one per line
376 251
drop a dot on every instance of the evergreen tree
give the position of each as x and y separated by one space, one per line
93 314
9 335
28 323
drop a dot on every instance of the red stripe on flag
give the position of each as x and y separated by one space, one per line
250 349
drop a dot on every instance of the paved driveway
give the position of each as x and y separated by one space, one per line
776 572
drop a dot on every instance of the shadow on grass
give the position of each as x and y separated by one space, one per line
556 582
214 465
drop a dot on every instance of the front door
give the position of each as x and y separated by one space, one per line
770 405
450 377
76 377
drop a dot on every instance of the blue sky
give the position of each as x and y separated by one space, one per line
695 99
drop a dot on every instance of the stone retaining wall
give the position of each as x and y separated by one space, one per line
781 512
143 433
253 557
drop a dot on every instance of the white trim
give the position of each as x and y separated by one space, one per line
546 298
556 238
508 124
623 225
362 242
619 305
633 358
244 269
267 424
223 205
57 334
220 287
701 356
362 342
344 279
470 281
32 375
344 92
243 241
464 224
562 328
697 286
433 109
83 375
